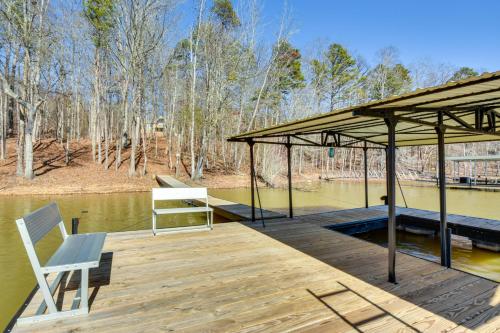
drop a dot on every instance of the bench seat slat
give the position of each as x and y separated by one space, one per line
182 210
77 251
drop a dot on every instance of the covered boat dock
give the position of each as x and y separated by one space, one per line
456 112
471 174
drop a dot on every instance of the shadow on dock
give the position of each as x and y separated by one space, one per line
375 313
98 277
467 300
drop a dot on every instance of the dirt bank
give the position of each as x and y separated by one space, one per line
53 176
83 175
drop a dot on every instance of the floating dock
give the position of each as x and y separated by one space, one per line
485 188
483 232
479 230
294 275
228 209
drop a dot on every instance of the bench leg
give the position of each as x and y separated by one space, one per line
47 294
154 224
84 285
81 299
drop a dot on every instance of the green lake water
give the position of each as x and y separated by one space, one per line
132 211
97 212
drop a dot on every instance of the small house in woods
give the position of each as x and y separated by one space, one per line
157 125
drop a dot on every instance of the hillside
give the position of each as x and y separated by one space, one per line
82 175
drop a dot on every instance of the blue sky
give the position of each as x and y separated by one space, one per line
458 33
461 33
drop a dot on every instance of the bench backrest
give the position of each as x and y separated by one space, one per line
40 222
34 227
179 193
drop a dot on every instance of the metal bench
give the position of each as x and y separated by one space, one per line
77 252
184 193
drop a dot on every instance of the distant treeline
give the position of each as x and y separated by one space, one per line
113 71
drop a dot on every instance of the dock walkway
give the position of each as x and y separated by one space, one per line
480 230
291 276
228 209
463 298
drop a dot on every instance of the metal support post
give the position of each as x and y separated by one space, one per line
75 221
289 159
391 195
252 178
440 130
365 155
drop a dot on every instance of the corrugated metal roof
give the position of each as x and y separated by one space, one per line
463 103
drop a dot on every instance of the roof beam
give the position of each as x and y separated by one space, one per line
304 139
348 145
450 98
378 114
435 90
458 119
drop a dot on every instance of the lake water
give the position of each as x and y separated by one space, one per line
132 211
348 194
97 212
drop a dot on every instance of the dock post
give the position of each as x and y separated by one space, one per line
365 149
386 173
289 159
75 221
252 178
443 228
391 194
448 247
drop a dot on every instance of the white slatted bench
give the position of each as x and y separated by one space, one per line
184 193
77 252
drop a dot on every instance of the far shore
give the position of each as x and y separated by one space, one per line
83 176
108 182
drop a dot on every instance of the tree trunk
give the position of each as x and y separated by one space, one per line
20 148
136 124
3 133
28 147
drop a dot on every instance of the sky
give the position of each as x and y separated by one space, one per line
459 32
451 32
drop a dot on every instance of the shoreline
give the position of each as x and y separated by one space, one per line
145 183
303 185
82 175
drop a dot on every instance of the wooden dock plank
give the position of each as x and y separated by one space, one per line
446 292
453 219
238 279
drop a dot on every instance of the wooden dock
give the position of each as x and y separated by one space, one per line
485 188
466 299
294 275
228 209
475 228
